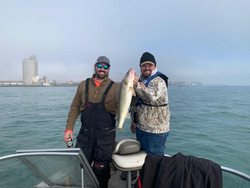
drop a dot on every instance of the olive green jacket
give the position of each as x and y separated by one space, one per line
95 96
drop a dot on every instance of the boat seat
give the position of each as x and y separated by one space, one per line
128 156
126 145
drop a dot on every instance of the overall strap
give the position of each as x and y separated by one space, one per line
87 91
107 90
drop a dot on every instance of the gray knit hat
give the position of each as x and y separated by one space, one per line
103 59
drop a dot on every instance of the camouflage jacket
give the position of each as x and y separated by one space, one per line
152 119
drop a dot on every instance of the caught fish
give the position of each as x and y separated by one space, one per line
125 97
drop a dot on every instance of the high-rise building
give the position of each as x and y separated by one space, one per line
30 70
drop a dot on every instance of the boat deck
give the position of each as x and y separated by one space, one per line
116 180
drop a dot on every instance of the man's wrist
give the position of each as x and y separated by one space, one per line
68 130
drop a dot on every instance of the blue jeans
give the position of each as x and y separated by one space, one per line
152 143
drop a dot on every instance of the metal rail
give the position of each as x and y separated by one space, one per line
38 154
236 172
50 150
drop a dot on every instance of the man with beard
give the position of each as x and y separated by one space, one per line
95 100
150 113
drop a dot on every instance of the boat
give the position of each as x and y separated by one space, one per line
60 168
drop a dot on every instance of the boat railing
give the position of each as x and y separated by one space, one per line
236 172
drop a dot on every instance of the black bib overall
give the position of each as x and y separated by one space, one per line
97 136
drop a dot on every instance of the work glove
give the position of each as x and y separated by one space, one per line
66 135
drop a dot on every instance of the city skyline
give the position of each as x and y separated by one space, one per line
31 65
194 41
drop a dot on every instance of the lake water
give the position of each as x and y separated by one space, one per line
210 122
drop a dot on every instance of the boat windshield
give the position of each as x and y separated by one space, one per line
47 168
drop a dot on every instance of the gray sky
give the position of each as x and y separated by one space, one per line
194 40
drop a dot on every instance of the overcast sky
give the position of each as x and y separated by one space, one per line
195 40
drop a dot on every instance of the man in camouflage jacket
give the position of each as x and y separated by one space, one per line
150 112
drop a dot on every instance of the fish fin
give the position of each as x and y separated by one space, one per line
125 81
120 129
133 91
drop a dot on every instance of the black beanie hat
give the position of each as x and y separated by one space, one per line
147 57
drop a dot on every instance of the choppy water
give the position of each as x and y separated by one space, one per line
207 121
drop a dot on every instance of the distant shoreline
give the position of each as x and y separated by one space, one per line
40 86
169 86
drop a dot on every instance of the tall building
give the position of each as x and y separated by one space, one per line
30 70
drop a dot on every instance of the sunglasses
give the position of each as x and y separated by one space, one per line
99 66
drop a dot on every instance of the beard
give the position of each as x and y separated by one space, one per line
146 73
101 74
